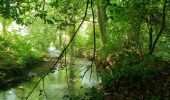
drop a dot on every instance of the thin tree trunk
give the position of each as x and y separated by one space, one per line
72 30
101 7
4 26
150 33
150 37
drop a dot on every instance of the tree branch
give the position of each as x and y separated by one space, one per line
72 38
161 30
94 31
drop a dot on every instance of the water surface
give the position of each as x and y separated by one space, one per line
58 85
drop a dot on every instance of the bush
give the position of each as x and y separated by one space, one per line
126 78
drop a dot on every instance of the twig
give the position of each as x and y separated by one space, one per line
17 95
86 70
44 88
73 82
67 73
94 33
94 45
91 71
94 39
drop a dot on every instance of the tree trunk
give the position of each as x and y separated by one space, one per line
72 31
4 26
150 38
101 7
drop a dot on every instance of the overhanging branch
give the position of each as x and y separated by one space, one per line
161 30
62 53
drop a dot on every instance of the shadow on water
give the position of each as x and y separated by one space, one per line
58 85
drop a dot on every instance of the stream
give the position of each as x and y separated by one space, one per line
58 85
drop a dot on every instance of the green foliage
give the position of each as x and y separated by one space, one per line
88 94
42 35
125 78
127 34
17 52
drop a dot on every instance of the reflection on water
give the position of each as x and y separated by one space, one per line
58 85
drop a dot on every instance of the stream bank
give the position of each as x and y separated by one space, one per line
63 83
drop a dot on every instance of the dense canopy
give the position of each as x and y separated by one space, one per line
126 42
